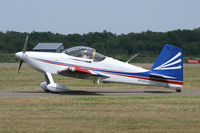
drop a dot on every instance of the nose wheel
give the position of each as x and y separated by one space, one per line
178 90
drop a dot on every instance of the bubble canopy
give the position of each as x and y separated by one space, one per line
85 52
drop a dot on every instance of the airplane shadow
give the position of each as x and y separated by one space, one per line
102 92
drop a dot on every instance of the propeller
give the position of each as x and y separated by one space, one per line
24 51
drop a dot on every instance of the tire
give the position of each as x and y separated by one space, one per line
178 90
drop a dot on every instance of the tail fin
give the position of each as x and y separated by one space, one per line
169 63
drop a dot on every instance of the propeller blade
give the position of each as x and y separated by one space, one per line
20 64
24 50
25 44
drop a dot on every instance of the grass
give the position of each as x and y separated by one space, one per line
192 76
96 114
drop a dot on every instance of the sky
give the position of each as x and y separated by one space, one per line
83 16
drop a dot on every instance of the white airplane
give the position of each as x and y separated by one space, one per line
85 63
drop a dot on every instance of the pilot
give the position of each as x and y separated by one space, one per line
83 54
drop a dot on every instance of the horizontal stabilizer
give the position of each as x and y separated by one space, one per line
154 75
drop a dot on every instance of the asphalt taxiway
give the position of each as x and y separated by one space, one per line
100 92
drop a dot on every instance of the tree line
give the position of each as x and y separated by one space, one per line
146 43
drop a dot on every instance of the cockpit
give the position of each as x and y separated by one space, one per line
85 52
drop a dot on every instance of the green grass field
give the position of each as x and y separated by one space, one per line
96 114
101 114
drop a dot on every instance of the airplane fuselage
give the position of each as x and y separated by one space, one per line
114 70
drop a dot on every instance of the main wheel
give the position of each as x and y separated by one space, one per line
178 90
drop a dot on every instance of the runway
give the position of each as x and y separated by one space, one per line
99 92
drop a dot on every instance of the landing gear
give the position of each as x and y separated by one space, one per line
50 86
178 90
98 81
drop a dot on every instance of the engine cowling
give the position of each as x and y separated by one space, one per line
53 87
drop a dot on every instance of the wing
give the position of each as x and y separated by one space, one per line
83 73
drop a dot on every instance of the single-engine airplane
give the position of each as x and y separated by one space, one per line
85 63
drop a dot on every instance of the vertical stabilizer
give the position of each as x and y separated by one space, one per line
169 63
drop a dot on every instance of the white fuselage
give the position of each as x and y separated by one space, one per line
115 70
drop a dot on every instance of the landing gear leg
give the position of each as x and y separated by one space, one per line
178 90
98 81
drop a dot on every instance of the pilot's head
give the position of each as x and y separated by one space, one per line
83 52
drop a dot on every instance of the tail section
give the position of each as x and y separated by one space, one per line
169 65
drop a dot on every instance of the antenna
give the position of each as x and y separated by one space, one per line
132 57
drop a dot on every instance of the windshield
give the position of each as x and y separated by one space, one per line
85 52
